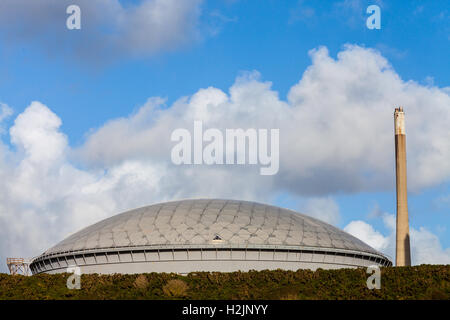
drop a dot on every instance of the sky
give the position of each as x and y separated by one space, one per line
86 115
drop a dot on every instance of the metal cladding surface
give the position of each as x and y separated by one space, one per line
207 235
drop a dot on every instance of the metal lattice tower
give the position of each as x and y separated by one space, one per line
18 266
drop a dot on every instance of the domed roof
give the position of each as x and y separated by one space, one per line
210 222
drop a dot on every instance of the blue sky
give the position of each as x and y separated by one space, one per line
225 40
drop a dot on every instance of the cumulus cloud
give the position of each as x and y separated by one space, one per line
108 27
336 135
425 245
35 132
336 127
426 248
366 233
43 197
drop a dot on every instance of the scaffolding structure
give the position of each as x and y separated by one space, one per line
18 266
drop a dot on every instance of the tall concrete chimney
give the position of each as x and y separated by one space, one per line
403 251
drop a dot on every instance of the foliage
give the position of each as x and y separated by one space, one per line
175 288
418 282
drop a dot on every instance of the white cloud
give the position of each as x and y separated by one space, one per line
43 197
336 129
108 28
427 249
336 135
425 246
35 131
366 233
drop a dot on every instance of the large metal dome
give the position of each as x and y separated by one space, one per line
211 235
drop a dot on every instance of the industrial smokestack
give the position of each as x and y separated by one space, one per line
403 251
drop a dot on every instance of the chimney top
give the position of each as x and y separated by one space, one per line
399 120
